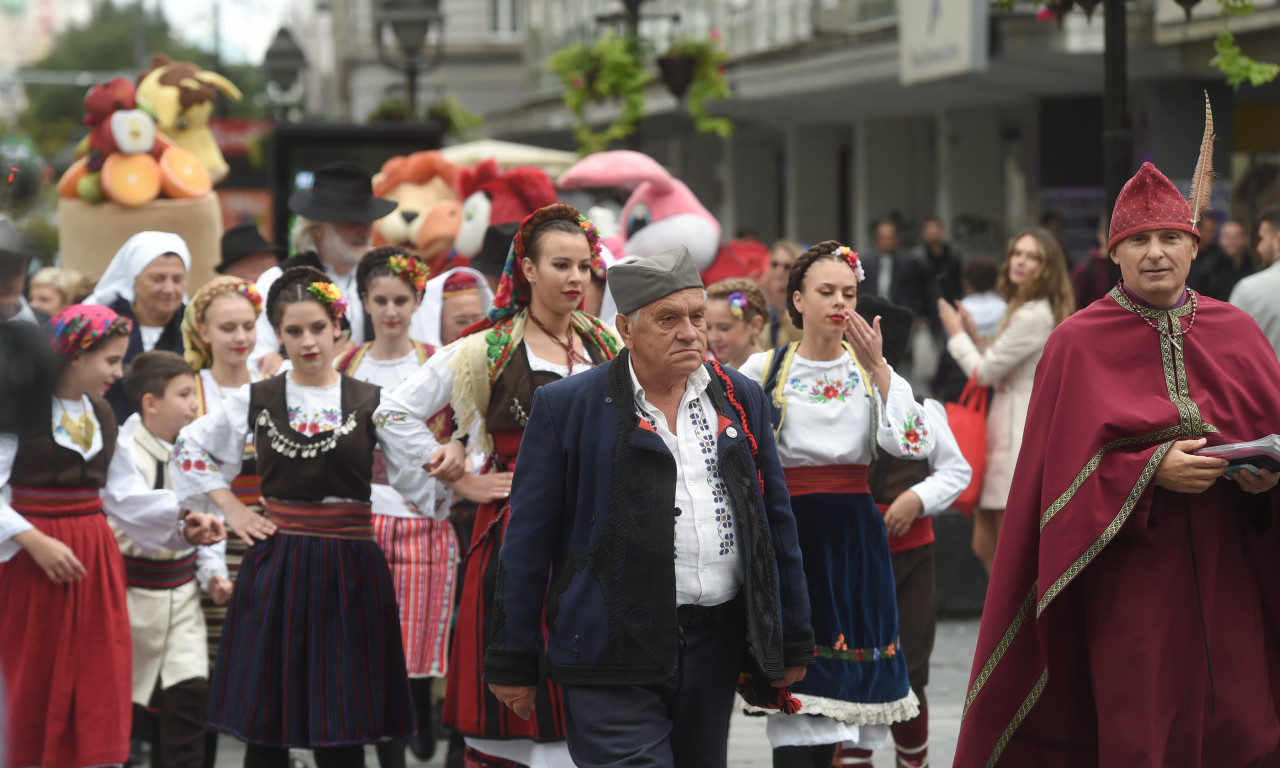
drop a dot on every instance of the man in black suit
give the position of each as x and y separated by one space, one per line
890 273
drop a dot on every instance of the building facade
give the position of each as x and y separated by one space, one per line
830 139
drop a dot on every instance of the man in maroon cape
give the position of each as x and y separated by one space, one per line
1133 617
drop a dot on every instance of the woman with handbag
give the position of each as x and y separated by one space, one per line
1035 283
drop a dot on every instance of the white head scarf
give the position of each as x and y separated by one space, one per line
133 257
425 325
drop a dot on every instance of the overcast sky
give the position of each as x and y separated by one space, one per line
247 25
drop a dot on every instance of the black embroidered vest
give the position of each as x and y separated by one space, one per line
42 463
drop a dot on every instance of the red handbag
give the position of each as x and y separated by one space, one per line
968 421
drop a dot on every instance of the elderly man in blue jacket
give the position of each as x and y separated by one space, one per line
650 526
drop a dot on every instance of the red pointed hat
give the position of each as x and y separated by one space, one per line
1149 201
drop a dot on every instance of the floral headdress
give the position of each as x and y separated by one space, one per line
194 350
410 270
513 291
80 326
850 257
328 294
738 304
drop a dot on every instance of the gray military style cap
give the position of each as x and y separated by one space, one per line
643 282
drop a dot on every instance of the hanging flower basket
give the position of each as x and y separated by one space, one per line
609 68
706 57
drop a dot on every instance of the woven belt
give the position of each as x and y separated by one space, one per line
247 488
145 573
336 520
32 501
831 478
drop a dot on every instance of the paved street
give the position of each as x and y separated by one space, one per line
748 747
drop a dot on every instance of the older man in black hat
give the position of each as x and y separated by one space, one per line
333 229
655 453
246 254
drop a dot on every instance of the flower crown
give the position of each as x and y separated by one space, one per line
329 295
593 240
850 257
250 292
738 304
410 270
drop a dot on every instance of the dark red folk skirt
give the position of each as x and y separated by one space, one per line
469 706
65 649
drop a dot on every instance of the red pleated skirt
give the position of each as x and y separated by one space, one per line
469 706
65 649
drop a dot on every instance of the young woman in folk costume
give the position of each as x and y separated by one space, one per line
65 651
414 532
838 405
218 333
311 655
534 334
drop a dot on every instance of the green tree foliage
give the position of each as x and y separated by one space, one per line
106 44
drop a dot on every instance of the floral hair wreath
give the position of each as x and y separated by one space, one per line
513 290
850 257
738 304
250 292
409 269
329 295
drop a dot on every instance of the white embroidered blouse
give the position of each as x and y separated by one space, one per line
431 492
149 516
828 417
209 451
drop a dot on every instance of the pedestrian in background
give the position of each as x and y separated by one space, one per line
736 312
1259 294
1033 280
1232 264
778 329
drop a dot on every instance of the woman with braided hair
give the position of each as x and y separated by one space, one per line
311 654
736 311
534 334
218 333
414 532
838 404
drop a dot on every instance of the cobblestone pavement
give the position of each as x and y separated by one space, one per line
748 747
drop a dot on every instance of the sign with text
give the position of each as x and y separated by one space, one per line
938 39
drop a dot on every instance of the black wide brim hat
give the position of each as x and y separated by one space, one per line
340 192
242 242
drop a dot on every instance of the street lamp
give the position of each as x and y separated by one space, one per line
411 23
284 64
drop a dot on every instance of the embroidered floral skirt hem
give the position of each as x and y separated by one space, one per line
859 675
469 706
311 653
65 652
423 556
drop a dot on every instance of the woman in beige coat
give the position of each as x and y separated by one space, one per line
1035 283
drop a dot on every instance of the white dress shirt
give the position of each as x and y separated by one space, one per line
1256 294
708 569
951 473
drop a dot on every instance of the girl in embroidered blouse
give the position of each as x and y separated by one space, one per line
416 536
839 404
736 311
532 335
1037 286
311 654
65 653
218 332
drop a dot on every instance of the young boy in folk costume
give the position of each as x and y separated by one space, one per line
64 626
534 334
218 333
170 667
414 532
311 655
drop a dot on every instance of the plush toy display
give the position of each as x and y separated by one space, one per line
428 214
180 95
660 213
490 196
